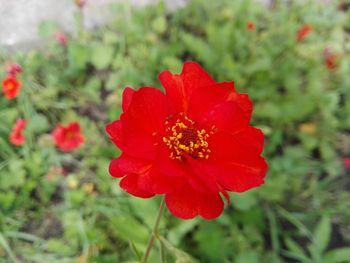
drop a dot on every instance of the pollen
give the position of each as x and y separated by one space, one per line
183 139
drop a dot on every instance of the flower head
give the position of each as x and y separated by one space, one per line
191 144
13 69
80 3
68 138
303 32
61 38
346 162
251 26
16 136
11 87
330 59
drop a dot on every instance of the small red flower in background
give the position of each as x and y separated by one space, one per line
346 162
80 3
11 87
251 26
16 136
192 143
330 59
61 38
13 69
303 32
68 138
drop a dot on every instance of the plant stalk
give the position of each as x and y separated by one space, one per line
154 232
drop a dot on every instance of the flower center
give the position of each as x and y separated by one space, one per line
69 135
10 86
184 139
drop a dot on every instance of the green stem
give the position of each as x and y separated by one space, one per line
154 232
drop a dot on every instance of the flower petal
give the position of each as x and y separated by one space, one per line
114 130
125 164
202 100
148 108
154 182
127 96
227 116
130 185
188 203
237 167
141 123
180 87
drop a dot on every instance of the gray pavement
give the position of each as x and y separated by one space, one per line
20 19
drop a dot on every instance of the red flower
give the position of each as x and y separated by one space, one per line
251 26
11 87
329 59
191 143
61 38
80 3
68 138
303 32
13 69
346 162
16 136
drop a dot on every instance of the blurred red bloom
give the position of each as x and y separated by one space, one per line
80 3
61 38
191 143
303 32
13 69
16 136
251 26
346 162
11 87
329 59
68 138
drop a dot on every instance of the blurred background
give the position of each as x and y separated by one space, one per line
73 60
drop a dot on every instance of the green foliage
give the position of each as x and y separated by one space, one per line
302 212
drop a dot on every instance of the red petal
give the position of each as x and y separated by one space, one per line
114 130
251 138
125 164
202 100
142 123
180 87
227 197
227 116
188 203
239 177
130 184
148 109
136 142
207 182
114 169
236 166
243 101
243 145
157 183
127 96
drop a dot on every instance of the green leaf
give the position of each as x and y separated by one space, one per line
211 241
247 257
322 234
47 28
128 228
244 201
340 255
159 24
14 177
38 124
101 55
296 249
7 248
78 55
